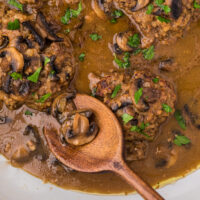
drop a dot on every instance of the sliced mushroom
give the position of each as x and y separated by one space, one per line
165 157
98 10
105 5
28 145
45 30
15 58
62 106
21 43
32 30
21 154
78 130
5 42
6 84
140 4
176 8
121 41
166 65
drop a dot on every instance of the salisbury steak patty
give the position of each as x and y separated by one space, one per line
142 101
35 63
156 20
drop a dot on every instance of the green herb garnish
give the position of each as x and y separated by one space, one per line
148 53
155 80
76 13
180 119
138 95
125 63
149 9
140 129
16 75
116 90
166 108
46 60
196 5
137 51
28 112
16 4
35 76
66 18
82 57
126 118
181 140
95 36
67 31
113 21
166 8
71 13
13 25
134 41
117 13
44 98
162 19
52 72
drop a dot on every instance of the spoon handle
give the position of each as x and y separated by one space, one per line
145 190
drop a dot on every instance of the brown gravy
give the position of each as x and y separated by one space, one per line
99 58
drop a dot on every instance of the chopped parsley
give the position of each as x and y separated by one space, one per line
155 80
134 41
138 95
140 129
181 121
67 31
82 57
148 53
115 15
113 21
166 8
44 98
149 9
125 63
35 76
196 5
137 51
71 13
126 118
95 36
28 112
181 140
162 19
16 4
46 60
16 75
52 72
13 25
166 108
116 90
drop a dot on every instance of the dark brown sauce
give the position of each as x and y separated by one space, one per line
99 58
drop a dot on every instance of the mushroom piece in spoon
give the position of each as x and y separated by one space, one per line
79 128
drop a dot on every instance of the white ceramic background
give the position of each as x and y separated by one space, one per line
15 184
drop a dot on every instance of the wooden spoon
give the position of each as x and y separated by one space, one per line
103 153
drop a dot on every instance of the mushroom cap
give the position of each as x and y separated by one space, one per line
78 130
121 39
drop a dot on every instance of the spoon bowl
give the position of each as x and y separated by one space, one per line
103 153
